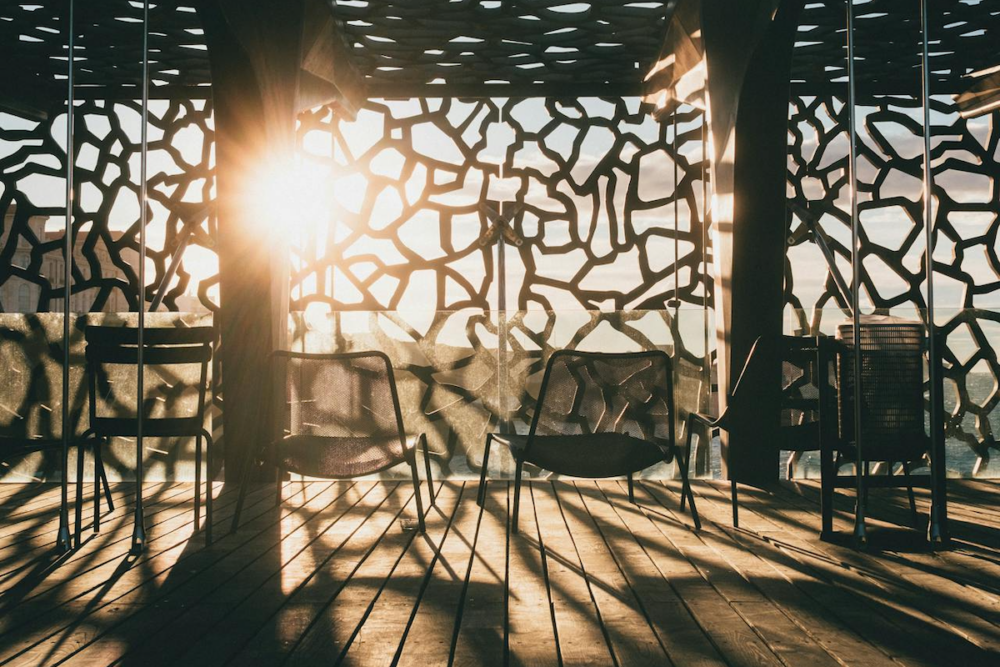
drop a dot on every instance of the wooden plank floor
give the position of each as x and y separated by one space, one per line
339 576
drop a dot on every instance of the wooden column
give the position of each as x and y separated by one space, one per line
268 59
748 50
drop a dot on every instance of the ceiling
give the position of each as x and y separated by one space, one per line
482 47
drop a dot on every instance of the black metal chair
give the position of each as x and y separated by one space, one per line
805 364
893 416
12 447
341 420
598 415
112 379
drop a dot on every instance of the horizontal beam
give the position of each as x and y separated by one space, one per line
407 90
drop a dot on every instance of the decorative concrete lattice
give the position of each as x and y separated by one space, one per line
106 207
599 185
581 46
599 182
108 49
524 41
966 168
887 39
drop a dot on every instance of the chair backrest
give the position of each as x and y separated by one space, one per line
892 388
339 395
172 358
584 393
801 379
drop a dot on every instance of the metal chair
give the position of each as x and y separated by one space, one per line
15 447
598 415
112 379
805 363
341 419
893 417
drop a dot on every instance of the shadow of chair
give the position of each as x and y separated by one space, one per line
598 415
341 419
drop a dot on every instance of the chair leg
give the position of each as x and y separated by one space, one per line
79 495
97 490
104 478
827 472
736 505
793 459
279 473
685 464
197 484
427 466
860 507
517 497
689 429
481 496
865 494
416 491
244 483
210 490
909 492
631 489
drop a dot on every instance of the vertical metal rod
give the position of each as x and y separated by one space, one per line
676 328
63 539
139 528
502 304
704 258
938 523
502 315
676 213
859 525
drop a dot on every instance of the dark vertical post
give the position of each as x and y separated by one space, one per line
254 52
748 86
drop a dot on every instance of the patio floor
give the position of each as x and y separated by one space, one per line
341 578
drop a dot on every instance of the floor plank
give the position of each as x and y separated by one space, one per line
338 575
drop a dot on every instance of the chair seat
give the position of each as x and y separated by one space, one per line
341 457
16 446
154 427
595 456
903 452
799 437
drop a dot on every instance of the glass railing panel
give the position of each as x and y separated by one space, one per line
463 374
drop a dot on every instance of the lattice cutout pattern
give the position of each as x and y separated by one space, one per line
600 183
106 214
966 167
499 152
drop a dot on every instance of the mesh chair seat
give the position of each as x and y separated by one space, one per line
12 446
594 456
341 457
342 419
588 405
159 427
